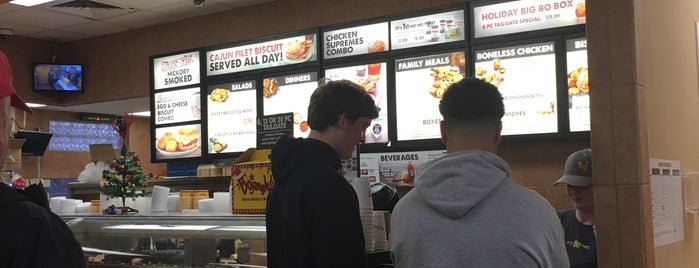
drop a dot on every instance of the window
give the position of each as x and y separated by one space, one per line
77 136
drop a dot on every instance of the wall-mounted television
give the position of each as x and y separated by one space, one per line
58 77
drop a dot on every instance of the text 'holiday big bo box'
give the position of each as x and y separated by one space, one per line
251 180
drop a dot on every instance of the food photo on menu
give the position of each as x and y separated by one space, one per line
578 85
420 85
231 110
178 141
526 77
372 78
290 94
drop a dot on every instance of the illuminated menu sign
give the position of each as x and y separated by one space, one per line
578 85
526 78
176 70
522 16
177 106
178 142
371 77
420 84
428 30
231 113
280 52
290 94
397 169
356 41
272 127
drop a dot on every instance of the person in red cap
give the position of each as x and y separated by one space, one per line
579 222
31 235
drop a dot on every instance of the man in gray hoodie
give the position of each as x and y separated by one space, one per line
465 211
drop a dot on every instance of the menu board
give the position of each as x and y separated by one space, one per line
176 70
290 94
428 30
578 85
396 169
521 16
280 52
526 78
272 127
178 142
420 84
177 106
372 77
231 113
355 41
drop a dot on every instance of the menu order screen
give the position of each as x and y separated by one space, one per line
526 77
290 94
177 106
578 85
372 77
420 84
232 112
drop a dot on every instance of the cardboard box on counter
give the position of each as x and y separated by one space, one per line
209 170
13 160
103 152
251 180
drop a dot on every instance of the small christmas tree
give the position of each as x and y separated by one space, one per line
126 178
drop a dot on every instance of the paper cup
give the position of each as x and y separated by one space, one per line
160 199
206 205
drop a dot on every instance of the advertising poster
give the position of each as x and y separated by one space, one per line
232 110
262 55
395 168
523 16
176 70
290 94
177 106
272 127
578 85
420 84
355 41
526 78
372 77
178 142
428 30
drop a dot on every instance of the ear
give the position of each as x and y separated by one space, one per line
343 121
443 131
498 137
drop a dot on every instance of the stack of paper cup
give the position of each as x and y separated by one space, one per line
68 205
55 203
206 205
366 210
222 202
160 199
82 208
380 239
173 203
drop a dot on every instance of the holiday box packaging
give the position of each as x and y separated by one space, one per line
251 180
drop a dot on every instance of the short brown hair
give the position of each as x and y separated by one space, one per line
334 98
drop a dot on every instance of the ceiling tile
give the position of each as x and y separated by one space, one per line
19 28
141 4
60 36
188 10
42 18
9 7
95 28
140 19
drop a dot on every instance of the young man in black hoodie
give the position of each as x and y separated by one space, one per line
30 234
312 211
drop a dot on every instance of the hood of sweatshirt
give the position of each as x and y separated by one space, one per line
290 154
457 182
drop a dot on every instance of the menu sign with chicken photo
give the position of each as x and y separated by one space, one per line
280 52
178 142
231 111
371 77
177 106
428 30
355 41
420 84
290 94
176 70
526 78
522 16
578 85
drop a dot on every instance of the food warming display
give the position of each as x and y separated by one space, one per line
526 77
421 82
231 114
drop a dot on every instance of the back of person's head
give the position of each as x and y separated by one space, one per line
334 98
472 102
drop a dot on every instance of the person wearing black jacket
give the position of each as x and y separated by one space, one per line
30 234
312 211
